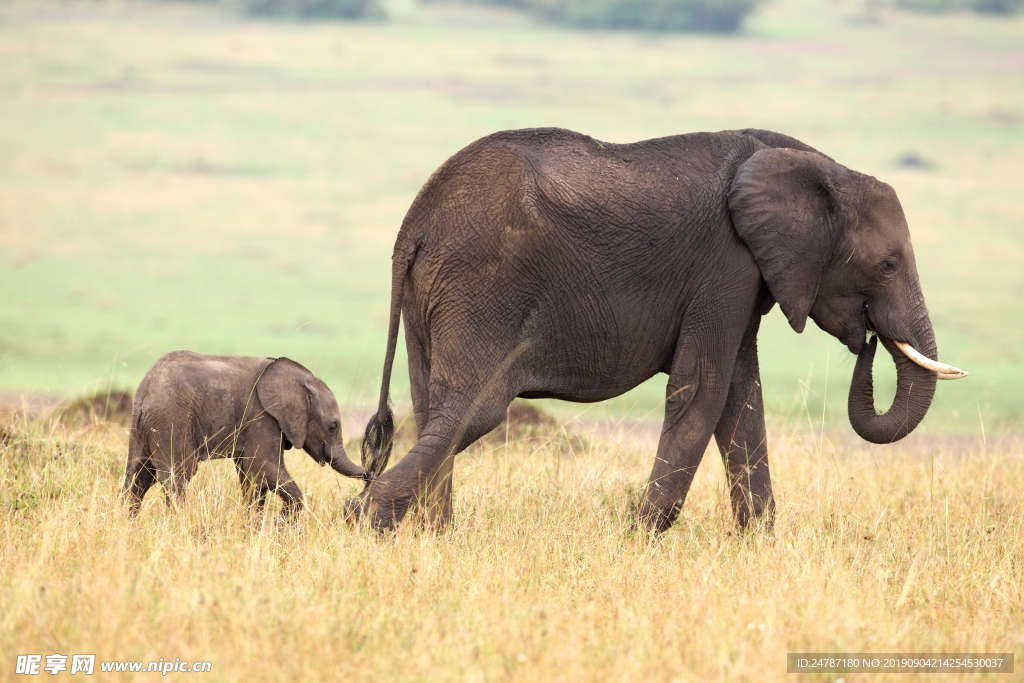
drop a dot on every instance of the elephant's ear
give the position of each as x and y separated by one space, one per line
789 207
284 394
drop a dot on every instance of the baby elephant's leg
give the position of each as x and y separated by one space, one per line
266 472
254 492
177 482
139 477
173 457
254 495
289 491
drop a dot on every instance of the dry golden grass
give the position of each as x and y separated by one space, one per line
917 547
151 151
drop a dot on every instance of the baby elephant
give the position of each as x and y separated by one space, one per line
190 407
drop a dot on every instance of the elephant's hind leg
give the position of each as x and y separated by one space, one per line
174 484
139 477
742 439
419 374
174 458
698 386
437 495
437 491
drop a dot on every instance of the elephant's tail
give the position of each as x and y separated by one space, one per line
380 430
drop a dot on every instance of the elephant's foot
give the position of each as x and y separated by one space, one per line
290 511
651 518
289 521
434 521
753 514
134 505
377 515
354 509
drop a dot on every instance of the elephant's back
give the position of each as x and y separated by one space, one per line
476 185
552 200
667 175
550 178
185 376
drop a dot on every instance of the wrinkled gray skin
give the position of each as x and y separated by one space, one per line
191 407
546 264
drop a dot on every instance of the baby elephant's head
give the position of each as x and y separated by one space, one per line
308 414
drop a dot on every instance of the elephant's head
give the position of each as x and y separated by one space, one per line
307 413
833 244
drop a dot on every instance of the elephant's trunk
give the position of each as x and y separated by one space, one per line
915 387
341 464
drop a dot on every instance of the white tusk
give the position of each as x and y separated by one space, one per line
941 369
951 375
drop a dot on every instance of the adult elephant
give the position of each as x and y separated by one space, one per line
546 264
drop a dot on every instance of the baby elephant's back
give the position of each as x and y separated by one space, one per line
204 388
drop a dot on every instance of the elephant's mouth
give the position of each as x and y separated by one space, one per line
854 341
847 321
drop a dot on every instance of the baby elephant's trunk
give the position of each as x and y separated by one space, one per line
341 464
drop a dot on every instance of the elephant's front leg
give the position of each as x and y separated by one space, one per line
254 494
264 471
742 439
696 392
288 490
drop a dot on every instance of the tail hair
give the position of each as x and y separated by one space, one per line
377 442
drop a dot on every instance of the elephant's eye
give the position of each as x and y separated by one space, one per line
890 265
334 428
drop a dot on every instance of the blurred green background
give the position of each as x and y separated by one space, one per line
181 176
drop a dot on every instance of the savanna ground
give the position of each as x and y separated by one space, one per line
910 548
174 177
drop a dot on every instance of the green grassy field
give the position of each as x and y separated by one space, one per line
175 177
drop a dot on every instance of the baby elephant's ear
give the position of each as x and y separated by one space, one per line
790 208
282 392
